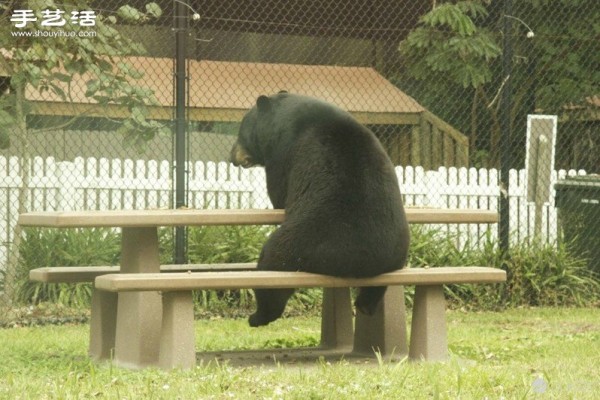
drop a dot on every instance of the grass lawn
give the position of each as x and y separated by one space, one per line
520 353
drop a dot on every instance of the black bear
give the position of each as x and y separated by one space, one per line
343 209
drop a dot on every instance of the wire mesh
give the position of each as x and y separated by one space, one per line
88 100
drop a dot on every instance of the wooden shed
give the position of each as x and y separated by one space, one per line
221 91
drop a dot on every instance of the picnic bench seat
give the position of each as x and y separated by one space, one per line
80 274
428 339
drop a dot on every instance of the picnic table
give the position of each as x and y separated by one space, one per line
139 312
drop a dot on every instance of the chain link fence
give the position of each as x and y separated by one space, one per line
480 104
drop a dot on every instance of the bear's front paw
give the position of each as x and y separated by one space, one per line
255 320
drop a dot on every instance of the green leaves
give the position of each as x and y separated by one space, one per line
566 52
132 14
129 70
456 17
226 244
154 10
51 65
129 13
448 45
138 130
6 121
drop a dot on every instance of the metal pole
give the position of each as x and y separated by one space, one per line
181 32
505 127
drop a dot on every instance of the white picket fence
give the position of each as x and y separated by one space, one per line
103 184
480 189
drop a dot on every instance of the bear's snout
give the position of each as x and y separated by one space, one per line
240 157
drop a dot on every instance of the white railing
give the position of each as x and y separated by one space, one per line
103 184
479 188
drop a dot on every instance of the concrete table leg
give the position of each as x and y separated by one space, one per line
139 314
103 323
385 331
336 319
177 339
428 337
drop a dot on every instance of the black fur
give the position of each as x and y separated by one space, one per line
344 212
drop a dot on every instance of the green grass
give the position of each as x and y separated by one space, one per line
495 355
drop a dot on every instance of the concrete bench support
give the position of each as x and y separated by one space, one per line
177 337
385 331
336 319
428 336
103 324
138 313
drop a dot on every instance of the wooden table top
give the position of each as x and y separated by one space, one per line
194 217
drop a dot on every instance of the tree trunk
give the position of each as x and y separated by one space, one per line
494 152
22 144
474 128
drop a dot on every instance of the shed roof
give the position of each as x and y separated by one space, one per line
223 85
237 85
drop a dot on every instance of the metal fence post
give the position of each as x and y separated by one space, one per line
181 32
505 128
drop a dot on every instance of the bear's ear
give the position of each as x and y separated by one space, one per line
263 103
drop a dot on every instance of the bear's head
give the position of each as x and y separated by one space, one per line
258 132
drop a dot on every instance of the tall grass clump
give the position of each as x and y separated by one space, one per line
63 247
543 274
538 273
225 244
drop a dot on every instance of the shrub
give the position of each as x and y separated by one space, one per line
63 247
72 247
541 274
225 244
538 273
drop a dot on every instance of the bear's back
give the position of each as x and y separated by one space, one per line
343 201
